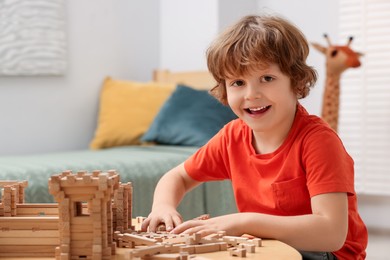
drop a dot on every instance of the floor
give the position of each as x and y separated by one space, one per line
378 245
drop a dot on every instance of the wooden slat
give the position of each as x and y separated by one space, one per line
28 251
29 233
22 241
35 223
37 209
12 182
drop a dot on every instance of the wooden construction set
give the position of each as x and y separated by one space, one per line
92 217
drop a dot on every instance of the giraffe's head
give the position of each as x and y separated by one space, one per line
339 58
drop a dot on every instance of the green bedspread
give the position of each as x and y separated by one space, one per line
141 165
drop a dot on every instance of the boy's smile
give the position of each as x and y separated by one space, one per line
257 110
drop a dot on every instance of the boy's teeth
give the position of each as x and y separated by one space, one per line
256 109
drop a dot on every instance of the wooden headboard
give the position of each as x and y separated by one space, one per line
195 79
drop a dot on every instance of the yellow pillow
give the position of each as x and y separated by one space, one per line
127 109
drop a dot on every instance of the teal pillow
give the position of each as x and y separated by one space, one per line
189 117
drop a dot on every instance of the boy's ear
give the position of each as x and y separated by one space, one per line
298 89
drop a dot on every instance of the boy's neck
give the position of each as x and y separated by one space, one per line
270 141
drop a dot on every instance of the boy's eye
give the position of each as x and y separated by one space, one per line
238 83
266 79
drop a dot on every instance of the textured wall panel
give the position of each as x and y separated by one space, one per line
32 37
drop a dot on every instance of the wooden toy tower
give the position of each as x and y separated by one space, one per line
12 193
85 214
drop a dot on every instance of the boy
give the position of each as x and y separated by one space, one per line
292 177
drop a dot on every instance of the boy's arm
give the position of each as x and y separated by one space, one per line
169 191
323 230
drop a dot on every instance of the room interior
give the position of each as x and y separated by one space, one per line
128 40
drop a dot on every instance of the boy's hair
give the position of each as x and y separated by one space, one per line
259 41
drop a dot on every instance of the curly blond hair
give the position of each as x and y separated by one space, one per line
257 41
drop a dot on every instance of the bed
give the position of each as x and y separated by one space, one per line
140 150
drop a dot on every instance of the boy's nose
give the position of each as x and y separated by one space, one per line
252 93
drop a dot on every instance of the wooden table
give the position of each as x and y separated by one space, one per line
271 249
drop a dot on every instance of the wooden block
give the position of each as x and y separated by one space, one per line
112 172
151 250
188 248
113 248
103 183
70 180
87 179
138 240
66 173
81 173
96 256
22 223
99 195
212 236
54 187
16 184
193 239
28 241
127 244
26 250
49 209
64 256
222 246
256 241
65 240
97 249
237 239
250 248
164 256
32 234
82 221
96 173
176 239
206 248
59 196
64 248
240 252
184 256
81 236
175 248
74 190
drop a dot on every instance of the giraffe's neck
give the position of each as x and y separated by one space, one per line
330 105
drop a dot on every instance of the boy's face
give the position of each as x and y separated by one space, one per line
263 99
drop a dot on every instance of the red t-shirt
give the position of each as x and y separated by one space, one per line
311 161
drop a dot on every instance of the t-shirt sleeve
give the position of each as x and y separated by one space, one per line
329 168
210 162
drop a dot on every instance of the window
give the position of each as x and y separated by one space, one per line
364 123
81 209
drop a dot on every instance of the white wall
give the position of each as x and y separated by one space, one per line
230 11
186 29
44 114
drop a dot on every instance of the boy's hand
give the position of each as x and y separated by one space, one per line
227 223
163 215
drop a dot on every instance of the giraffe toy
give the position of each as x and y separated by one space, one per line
338 59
